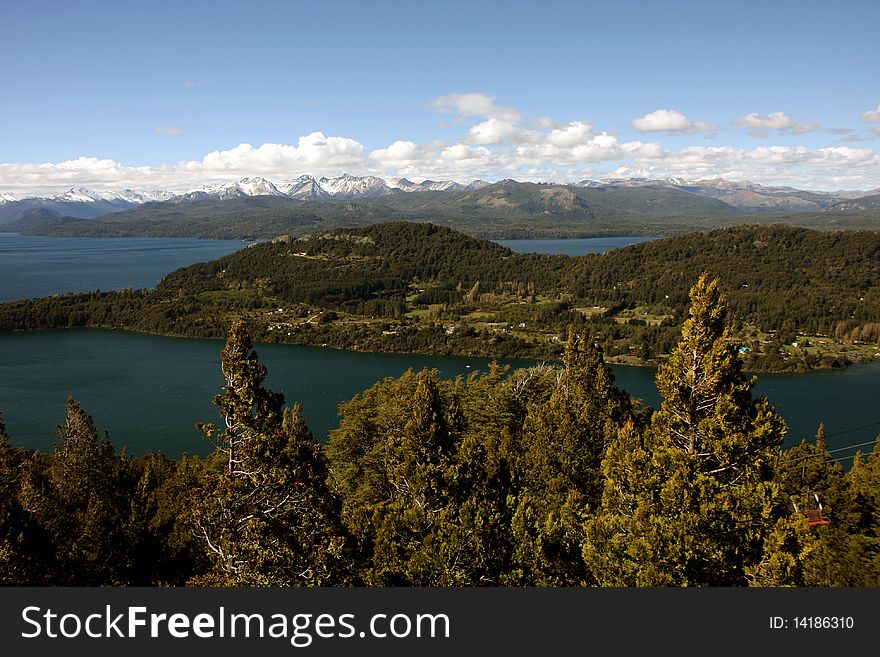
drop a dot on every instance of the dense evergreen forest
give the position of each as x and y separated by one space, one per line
548 476
799 299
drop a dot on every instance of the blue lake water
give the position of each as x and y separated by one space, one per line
149 391
32 266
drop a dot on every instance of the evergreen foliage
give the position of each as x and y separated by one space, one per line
692 500
265 513
546 476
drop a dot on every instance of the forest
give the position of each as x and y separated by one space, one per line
799 299
546 476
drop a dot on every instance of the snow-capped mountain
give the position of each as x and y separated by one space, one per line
83 195
156 195
304 187
745 195
405 185
441 185
346 186
244 187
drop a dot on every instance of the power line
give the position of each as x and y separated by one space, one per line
865 426
840 449
832 451
839 458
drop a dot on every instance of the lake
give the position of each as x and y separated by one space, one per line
149 391
572 247
32 266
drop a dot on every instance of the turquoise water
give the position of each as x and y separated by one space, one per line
32 266
148 391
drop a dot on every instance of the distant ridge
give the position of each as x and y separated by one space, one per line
610 198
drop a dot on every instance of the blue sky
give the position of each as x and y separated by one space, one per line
111 94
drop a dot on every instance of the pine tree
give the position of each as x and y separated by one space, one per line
691 500
83 504
864 534
412 528
265 514
563 442
14 525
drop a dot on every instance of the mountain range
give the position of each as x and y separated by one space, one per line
741 196
88 203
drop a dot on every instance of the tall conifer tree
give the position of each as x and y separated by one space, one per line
266 514
563 442
692 500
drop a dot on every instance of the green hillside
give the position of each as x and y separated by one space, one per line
418 287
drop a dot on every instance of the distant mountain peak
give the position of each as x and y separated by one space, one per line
741 194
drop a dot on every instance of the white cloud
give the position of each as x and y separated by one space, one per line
491 131
671 122
474 104
399 153
573 134
759 125
168 130
872 115
463 153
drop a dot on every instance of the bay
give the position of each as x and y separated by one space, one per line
149 391
572 246
33 266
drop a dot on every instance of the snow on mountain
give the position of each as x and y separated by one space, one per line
478 184
346 186
441 185
258 187
304 187
138 197
404 185
79 195
744 194
239 188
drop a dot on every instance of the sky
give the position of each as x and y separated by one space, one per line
174 95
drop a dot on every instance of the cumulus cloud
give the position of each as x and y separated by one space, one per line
760 125
168 130
872 115
491 131
399 153
671 122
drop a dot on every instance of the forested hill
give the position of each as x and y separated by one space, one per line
418 287
775 276
382 261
